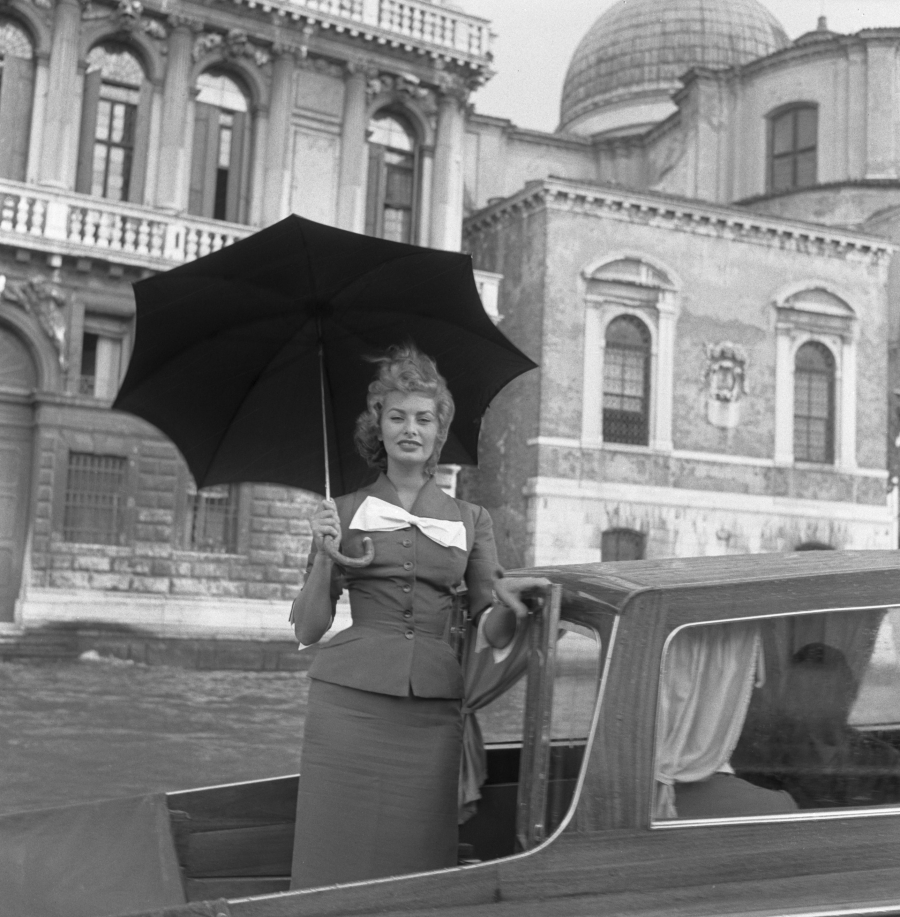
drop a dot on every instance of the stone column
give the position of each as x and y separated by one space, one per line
784 396
351 203
592 385
62 114
447 182
278 137
846 386
174 169
667 307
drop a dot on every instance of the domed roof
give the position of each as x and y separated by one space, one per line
627 66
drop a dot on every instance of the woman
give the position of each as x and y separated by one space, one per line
382 743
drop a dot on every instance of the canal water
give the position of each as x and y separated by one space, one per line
81 731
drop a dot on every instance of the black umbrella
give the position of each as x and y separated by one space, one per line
238 354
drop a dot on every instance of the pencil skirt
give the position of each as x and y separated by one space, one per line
378 793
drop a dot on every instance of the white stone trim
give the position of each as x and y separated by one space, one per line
665 210
659 318
759 504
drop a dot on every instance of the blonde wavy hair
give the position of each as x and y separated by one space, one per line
404 368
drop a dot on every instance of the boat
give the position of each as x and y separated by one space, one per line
569 821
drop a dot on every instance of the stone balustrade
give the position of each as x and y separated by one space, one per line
413 22
89 227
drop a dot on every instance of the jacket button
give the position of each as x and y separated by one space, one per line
406 542
407 588
409 635
408 565
407 614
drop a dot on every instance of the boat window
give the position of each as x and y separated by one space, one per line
779 716
515 811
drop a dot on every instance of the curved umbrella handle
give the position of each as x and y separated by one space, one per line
364 561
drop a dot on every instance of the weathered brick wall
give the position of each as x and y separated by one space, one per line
273 540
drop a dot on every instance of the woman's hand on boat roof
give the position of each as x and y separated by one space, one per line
512 592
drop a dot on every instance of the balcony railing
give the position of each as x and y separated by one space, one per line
89 227
80 226
416 22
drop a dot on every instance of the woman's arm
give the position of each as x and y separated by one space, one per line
488 588
313 610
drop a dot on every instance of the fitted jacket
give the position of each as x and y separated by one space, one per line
401 604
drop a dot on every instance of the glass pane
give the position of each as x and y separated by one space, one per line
783 133
117 64
104 119
98 181
14 41
819 727
807 119
783 174
627 332
399 191
221 91
391 132
397 225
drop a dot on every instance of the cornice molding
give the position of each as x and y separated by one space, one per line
681 214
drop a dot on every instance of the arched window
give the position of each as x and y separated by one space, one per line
792 148
626 382
814 404
115 125
220 162
16 96
622 544
391 186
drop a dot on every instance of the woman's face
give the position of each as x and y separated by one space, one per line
409 428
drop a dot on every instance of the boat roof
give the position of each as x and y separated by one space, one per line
614 583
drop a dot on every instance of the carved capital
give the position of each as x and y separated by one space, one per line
178 21
235 43
403 86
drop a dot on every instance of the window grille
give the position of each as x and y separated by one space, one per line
814 404
792 151
622 544
626 382
211 519
95 498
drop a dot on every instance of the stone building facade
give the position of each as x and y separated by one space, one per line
708 258
700 258
136 136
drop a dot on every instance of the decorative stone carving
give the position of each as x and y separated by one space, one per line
234 44
46 302
725 380
404 85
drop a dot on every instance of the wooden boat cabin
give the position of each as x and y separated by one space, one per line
698 736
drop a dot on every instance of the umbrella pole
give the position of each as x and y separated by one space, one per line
328 544
324 418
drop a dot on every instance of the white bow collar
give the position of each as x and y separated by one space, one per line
376 515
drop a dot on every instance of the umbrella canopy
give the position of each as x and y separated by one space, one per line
232 350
